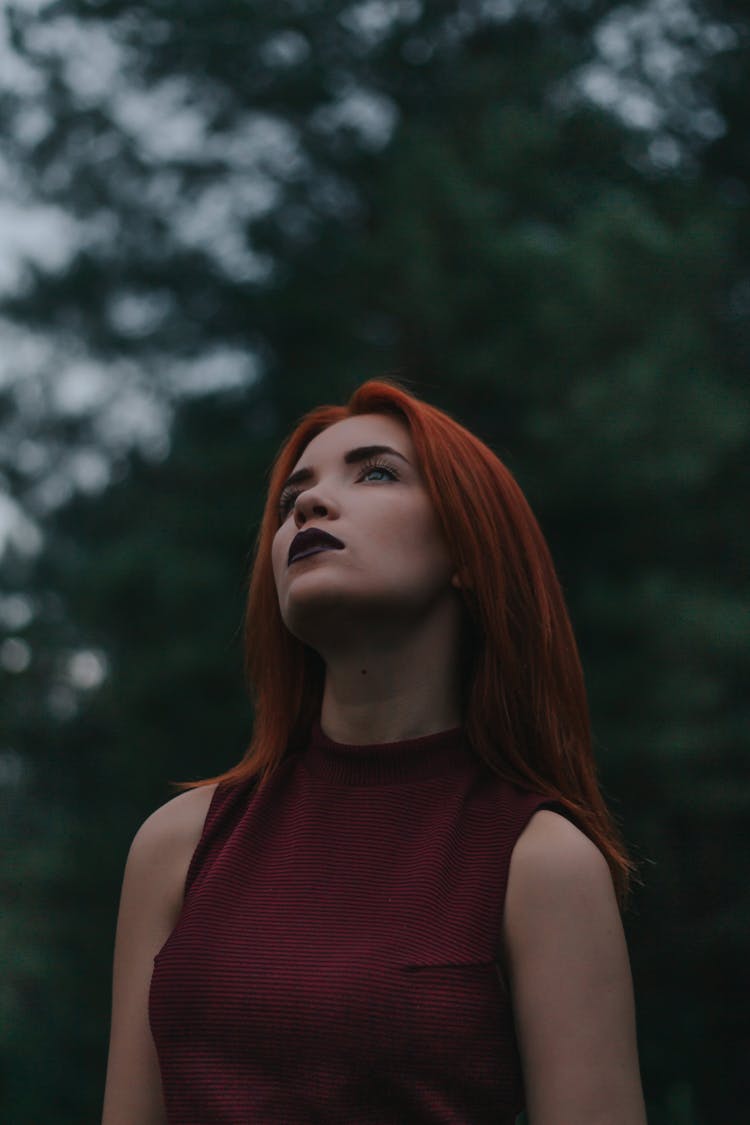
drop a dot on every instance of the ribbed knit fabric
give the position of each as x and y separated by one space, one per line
335 958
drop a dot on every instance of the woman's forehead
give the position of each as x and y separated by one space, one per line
362 429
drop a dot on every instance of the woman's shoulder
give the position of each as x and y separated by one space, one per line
566 955
551 849
177 824
558 876
155 871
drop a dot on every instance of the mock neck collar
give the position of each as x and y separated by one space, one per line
383 763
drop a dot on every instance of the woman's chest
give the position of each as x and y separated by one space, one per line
359 915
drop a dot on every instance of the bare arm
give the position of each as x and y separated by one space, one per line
150 903
570 979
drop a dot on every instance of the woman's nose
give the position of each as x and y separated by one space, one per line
309 504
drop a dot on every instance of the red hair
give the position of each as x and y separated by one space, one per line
525 709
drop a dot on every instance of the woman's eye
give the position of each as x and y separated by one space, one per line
286 502
379 468
287 498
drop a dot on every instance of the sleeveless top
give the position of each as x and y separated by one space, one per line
336 956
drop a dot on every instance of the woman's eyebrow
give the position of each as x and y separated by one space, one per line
361 453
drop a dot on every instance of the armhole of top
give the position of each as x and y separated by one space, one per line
218 822
217 799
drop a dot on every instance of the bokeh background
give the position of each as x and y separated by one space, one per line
215 214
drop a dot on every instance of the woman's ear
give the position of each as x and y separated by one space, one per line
459 581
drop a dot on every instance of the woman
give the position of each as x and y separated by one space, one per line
403 904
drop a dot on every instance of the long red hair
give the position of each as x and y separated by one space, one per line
525 707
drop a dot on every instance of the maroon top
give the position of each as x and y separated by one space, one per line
334 960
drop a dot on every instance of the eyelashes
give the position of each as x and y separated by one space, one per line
289 495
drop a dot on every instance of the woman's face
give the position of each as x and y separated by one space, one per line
393 566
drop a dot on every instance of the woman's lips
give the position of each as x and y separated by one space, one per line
312 551
310 540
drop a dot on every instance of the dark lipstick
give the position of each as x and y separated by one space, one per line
311 540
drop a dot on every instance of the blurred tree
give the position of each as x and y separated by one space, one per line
278 202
